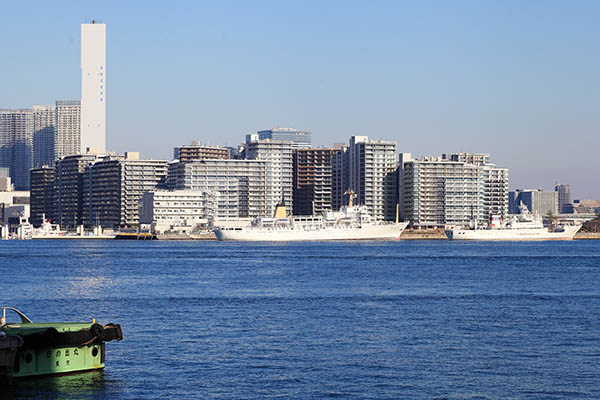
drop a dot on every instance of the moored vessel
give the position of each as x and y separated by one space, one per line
350 223
519 227
34 349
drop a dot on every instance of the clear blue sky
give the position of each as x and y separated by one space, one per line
517 79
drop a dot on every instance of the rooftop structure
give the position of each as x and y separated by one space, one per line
299 139
197 151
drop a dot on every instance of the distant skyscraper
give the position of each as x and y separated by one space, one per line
16 145
44 121
67 138
93 87
537 201
564 196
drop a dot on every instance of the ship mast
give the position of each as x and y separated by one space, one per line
351 196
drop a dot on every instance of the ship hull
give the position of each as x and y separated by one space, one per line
369 232
533 234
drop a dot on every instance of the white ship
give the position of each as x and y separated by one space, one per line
524 226
350 223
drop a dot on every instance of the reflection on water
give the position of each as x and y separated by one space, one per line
86 385
87 286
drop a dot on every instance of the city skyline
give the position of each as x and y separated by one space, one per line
526 97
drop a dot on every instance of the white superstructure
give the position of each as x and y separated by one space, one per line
524 226
93 87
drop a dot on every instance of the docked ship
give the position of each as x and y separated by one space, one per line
523 226
350 223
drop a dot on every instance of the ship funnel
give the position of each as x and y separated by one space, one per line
280 210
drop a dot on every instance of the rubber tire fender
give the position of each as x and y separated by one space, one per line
97 330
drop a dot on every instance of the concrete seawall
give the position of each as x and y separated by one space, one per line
587 236
430 234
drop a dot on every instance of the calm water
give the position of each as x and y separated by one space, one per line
373 320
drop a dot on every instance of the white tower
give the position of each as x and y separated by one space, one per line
93 87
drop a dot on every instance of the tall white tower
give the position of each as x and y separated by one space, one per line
93 87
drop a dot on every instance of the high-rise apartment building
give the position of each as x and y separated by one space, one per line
278 155
197 151
113 186
67 138
453 190
372 175
69 183
44 128
42 195
495 190
93 87
312 180
339 176
299 139
240 187
439 192
564 197
16 145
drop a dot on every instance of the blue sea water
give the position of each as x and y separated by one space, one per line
367 320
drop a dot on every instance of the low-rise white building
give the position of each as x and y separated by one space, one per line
177 210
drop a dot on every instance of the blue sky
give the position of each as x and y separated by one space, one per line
519 80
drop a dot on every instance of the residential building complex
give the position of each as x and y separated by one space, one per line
439 191
372 175
92 189
278 155
113 187
495 190
44 128
67 139
69 193
32 138
312 180
16 145
339 176
240 186
43 195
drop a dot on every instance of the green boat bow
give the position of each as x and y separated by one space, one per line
53 348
